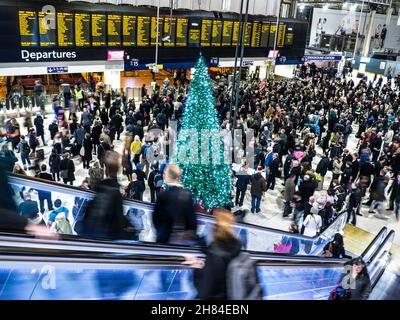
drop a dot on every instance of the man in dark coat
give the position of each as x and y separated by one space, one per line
243 179
174 215
353 208
38 122
394 191
273 171
307 187
53 128
45 195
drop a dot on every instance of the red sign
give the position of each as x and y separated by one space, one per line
115 55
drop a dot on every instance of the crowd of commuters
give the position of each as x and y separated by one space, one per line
290 119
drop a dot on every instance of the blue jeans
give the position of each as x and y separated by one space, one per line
25 159
255 204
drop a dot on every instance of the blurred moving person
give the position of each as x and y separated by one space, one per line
104 216
227 273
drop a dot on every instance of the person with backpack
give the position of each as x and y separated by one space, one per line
312 226
155 182
58 219
24 150
135 188
228 273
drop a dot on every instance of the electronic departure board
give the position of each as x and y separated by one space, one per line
289 35
264 35
169 30
281 35
227 33
194 37
28 28
272 31
129 30
99 30
65 28
206 28
154 30
235 33
143 31
114 26
247 33
181 32
216 34
68 29
82 29
47 29
255 38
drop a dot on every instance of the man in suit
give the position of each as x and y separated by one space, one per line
45 195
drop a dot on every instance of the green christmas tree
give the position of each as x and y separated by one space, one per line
200 151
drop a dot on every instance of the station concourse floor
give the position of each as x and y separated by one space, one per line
356 238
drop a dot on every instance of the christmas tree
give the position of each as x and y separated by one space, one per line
200 151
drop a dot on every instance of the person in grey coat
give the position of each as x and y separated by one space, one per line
290 189
86 119
79 136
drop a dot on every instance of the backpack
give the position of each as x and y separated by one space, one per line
63 226
26 148
158 180
242 279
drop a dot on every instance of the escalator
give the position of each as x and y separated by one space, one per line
253 237
33 269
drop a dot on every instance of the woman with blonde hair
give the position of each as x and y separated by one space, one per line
223 249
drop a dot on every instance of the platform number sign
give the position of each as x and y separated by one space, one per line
134 63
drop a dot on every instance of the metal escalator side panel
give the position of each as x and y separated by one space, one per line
255 238
380 259
374 245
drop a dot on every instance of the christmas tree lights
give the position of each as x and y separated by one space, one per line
200 151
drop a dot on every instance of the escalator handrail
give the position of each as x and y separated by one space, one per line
148 206
389 237
383 231
69 248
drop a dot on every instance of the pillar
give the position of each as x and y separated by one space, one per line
367 40
112 78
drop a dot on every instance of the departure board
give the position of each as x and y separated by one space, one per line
216 34
143 31
65 28
255 38
281 35
169 30
264 35
47 29
227 33
114 25
235 33
129 30
194 37
28 28
206 29
272 31
99 30
82 29
181 32
154 30
289 35
247 33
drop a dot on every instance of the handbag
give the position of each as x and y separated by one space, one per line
82 151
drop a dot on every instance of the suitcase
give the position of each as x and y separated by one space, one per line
40 154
